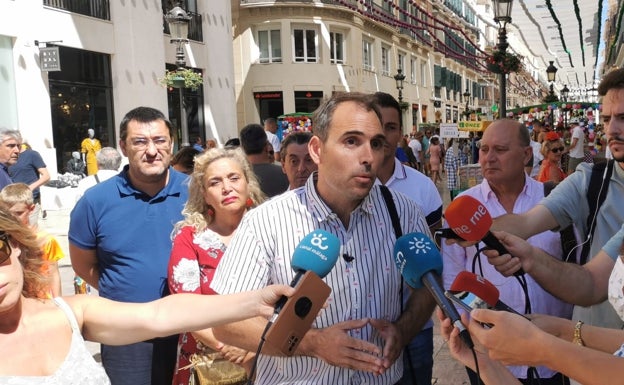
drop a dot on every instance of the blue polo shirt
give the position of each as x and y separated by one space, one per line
131 233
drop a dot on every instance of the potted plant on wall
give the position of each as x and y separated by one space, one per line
182 78
504 62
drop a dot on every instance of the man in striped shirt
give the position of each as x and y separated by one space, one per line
359 336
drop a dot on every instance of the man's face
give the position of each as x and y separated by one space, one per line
9 151
148 148
501 156
392 130
350 157
297 164
613 118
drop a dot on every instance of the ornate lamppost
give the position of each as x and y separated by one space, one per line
398 78
502 16
565 91
178 21
466 96
551 72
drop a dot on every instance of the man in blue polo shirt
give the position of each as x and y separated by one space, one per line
120 242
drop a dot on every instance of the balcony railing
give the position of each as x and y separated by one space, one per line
94 8
194 29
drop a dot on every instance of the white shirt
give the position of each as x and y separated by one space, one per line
578 151
457 259
416 147
368 286
274 140
86 183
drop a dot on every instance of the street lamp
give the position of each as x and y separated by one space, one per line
564 93
564 96
466 96
398 78
551 71
178 21
502 16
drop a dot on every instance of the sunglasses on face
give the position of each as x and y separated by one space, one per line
557 150
5 247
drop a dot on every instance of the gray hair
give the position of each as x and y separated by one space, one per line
8 133
108 158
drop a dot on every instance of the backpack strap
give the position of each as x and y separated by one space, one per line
396 223
97 180
596 195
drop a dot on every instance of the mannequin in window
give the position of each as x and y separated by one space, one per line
89 147
75 165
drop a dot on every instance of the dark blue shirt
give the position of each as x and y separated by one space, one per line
26 169
131 234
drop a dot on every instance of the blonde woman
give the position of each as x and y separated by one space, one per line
552 150
221 190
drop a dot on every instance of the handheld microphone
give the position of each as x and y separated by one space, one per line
420 263
471 220
313 259
479 286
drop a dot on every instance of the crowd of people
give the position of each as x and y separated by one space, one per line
190 251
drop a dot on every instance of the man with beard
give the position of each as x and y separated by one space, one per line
10 141
568 203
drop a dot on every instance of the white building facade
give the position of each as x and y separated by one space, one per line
112 55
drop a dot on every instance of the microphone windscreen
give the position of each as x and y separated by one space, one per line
317 252
477 285
468 218
415 255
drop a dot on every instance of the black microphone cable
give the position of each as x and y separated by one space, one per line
252 372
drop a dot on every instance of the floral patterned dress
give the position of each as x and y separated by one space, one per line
194 259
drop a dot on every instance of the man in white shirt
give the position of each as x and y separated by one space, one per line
416 147
108 161
270 127
577 147
359 336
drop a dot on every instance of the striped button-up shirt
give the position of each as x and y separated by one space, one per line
366 284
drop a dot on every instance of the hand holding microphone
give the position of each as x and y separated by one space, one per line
420 263
470 220
313 259
481 288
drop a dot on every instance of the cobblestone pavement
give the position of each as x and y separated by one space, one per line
446 370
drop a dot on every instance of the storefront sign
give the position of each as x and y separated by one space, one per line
49 59
268 95
473 126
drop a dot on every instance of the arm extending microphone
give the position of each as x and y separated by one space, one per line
471 221
420 263
313 259
482 288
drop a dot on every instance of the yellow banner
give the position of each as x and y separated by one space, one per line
473 125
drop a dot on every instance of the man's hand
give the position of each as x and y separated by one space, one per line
393 341
334 346
520 257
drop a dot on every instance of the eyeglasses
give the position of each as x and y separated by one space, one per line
557 150
159 142
5 247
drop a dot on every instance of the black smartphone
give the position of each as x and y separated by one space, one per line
467 301
446 233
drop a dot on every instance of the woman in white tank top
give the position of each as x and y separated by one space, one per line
42 340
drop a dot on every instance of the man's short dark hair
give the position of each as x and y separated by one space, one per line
142 115
253 139
297 137
612 80
322 117
385 100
